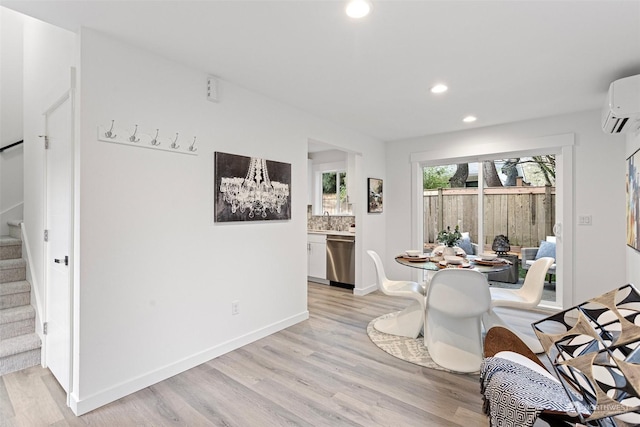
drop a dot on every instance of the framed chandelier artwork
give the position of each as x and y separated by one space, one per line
251 189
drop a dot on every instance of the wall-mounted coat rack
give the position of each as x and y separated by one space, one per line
156 140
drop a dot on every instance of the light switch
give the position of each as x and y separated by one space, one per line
584 220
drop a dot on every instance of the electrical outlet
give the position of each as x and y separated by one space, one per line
235 307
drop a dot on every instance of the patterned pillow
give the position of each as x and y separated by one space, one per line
546 249
465 245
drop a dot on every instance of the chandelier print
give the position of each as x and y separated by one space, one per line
251 189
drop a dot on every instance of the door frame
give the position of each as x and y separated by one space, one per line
68 95
560 145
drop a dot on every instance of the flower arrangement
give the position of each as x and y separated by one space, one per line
448 237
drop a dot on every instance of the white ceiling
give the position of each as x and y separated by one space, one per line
504 61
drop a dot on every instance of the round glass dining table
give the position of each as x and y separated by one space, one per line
472 263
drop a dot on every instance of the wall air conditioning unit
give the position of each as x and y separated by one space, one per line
622 108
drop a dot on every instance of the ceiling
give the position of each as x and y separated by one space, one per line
503 61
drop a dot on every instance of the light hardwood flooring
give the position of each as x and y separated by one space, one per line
321 372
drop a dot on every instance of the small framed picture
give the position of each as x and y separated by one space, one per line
374 192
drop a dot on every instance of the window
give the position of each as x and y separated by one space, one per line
518 201
334 193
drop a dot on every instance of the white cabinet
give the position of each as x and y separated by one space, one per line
317 257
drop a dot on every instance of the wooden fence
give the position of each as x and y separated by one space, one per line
524 214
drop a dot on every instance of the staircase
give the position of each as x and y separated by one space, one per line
19 344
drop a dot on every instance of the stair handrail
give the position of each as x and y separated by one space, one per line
6 147
10 208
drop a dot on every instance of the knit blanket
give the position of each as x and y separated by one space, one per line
514 395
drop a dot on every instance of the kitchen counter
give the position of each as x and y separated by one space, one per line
331 232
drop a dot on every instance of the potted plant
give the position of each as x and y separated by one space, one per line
449 239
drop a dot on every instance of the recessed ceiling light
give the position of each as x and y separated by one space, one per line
470 119
439 88
358 8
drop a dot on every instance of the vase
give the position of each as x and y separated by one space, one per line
448 250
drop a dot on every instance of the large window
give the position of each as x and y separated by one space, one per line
518 201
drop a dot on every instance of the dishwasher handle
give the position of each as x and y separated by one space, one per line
341 239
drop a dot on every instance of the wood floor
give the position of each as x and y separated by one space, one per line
321 372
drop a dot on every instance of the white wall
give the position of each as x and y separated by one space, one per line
157 275
598 190
11 160
633 256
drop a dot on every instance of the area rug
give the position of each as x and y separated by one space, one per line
408 349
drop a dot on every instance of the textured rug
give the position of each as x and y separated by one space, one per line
408 349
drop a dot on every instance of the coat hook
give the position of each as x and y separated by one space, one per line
173 144
192 147
109 134
133 138
155 141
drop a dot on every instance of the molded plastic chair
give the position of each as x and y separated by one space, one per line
456 301
530 294
529 257
409 322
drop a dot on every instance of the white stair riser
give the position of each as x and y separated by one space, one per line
19 361
21 327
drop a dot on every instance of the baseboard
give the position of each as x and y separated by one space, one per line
81 406
365 291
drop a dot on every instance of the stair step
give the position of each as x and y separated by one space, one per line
15 294
17 321
13 270
14 229
19 353
10 247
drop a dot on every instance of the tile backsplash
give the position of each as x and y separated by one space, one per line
337 223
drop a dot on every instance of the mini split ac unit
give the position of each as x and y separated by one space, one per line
621 111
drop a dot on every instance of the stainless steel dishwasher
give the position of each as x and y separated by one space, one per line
341 260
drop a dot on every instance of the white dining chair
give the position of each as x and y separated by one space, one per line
527 297
530 294
408 322
456 302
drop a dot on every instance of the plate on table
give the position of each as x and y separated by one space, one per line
452 259
488 256
419 258
459 252
413 252
496 261
443 264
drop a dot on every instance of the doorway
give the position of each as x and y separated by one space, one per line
559 145
510 200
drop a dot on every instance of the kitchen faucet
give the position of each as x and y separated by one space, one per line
326 214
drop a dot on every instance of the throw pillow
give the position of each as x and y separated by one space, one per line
546 249
465 245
